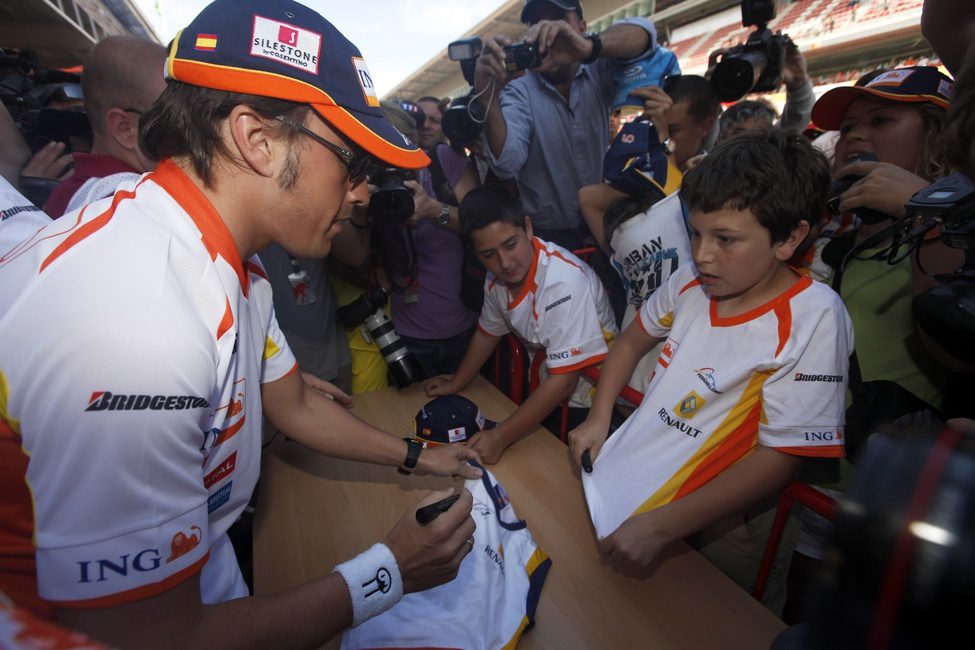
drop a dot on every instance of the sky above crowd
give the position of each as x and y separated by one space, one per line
395 36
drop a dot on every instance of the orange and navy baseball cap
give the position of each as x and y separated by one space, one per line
449 418
285 50
915 84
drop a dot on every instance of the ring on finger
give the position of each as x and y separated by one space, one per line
470 540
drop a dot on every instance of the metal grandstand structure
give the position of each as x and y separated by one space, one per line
62 31
835 35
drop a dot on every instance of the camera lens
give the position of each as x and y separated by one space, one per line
737 74
403 366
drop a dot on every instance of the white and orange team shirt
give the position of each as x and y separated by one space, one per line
133 345
774 376
489 604
561 309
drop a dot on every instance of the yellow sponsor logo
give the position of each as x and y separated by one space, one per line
689 405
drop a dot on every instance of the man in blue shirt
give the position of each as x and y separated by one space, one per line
548 128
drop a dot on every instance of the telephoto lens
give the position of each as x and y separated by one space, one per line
403 366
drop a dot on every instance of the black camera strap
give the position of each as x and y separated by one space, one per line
399 279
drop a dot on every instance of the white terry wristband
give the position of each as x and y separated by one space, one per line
374 582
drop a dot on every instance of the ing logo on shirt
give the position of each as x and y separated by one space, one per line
690 405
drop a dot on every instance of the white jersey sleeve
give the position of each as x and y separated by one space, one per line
573 334
491 320
279 361
803 402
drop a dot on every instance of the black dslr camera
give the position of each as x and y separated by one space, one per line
391 202
756 66
521 56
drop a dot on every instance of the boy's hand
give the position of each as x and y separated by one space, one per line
589 435
489 445
635 545
439 385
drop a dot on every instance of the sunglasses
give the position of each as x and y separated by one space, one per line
357 165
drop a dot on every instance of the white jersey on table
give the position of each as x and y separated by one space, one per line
134 342
647 249
490 602
775 376
561 309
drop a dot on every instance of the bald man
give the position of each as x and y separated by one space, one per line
123 76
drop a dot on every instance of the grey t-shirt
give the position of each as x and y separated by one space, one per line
311 329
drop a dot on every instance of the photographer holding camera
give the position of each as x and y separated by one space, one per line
122 79
570 91
422 255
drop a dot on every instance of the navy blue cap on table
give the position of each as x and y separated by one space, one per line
285 50
449 418
915 84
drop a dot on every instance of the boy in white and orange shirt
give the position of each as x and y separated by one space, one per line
752 374
549 298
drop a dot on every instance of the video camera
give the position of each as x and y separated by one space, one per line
33 95
461 123
756 66
946 313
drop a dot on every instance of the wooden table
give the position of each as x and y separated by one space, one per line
315 512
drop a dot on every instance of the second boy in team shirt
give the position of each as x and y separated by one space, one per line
751 377
551 300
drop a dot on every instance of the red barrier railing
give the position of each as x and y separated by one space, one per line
795 492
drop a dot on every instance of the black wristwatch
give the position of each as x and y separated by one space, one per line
597 46
413 449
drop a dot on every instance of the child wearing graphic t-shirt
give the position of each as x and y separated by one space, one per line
752 373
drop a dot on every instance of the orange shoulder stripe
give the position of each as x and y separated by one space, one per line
693 283
227 321
88 229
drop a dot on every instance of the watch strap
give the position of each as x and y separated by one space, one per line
597 46
413 449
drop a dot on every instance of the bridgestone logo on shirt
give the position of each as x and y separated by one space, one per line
828 379
106 401
558 302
